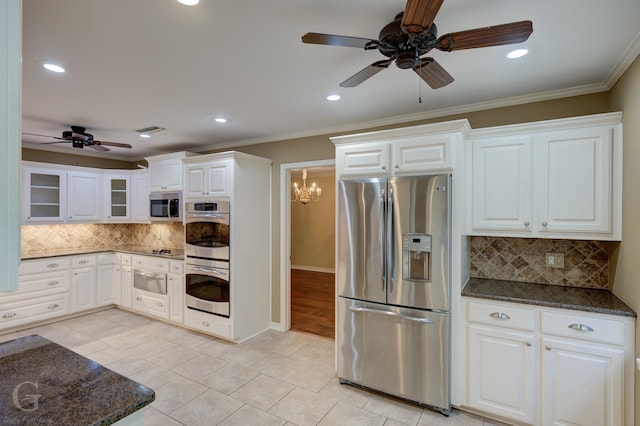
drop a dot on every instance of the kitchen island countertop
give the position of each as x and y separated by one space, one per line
177 254
555 296
44 383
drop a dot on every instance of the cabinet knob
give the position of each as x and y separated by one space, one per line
397 166
547 347
160 304
384 167
139 299
526 223
205 323
544 224
528 344
9 315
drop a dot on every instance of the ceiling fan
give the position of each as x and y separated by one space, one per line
412 34
79 138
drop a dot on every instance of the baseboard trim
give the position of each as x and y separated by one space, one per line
314 269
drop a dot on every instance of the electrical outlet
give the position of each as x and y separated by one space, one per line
554 260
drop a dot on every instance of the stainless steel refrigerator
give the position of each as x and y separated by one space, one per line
392 272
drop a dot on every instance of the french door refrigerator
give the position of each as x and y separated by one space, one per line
392 273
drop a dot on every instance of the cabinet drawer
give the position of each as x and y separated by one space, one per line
176 267
109 259
26 311
125 259
43 283
207 323
501 315
583 327
83 261
151 303
151 263
44 265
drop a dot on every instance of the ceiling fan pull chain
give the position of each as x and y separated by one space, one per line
420 88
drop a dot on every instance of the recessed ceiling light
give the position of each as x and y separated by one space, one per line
220 120
518 53
145 136
53 67
333 98
189 2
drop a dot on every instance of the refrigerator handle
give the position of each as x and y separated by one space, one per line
383 251
391 314
391 248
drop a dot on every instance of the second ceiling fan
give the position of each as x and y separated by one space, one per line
412 34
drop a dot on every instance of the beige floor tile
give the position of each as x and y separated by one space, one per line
349 394
154 377
151 345
176 393
248 415
163 330
199 367
312 378
302 407
401 411
342 414
210 408
172 357
457 418
263 392
215 348
89 347
316 353
10 336
191 339
108 355
129 365
229 378
276 365
243 356
289 342
126 339
153 417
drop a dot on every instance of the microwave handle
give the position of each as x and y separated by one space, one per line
174 204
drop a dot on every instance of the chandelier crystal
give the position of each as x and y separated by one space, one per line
306 194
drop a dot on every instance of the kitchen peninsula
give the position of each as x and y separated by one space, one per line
45 383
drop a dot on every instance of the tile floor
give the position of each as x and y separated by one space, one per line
272 379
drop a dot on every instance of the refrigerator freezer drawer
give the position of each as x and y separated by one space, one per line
399 351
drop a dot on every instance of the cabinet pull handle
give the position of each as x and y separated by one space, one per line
9 315
499 315
528 344
52 265
83 262
547 347
544 224
397 166
384 167
205 323
53 306
139 299
526 223
581 327
53 282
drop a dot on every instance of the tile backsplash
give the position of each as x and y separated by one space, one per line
586 263
35 238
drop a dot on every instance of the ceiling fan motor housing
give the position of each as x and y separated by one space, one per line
406 48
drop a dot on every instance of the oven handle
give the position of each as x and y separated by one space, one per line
219 216
222 272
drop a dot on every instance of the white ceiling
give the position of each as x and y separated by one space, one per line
137 63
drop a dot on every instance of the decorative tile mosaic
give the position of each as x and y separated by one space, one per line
586 263
36 238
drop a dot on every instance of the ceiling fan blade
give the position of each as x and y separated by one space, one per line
419 15
45 136
366 73
117 144
432 73
338 40
497 35
97 147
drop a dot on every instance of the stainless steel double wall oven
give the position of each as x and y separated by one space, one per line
207 256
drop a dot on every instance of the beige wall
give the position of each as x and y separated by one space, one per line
313 225
625 96
76 160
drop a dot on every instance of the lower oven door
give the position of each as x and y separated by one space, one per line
207 289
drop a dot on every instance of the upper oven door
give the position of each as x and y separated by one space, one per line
207 237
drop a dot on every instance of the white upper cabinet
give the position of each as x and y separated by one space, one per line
84 199
409 150
44 195
556 179
117 198
208 179
165 171
140 197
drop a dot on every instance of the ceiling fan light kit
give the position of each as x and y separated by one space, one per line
412 34
79 138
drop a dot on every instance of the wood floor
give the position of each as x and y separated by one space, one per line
313 302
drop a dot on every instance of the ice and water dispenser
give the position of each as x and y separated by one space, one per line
416 257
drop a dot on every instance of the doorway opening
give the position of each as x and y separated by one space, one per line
307 266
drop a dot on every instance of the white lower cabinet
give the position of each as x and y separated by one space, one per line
127 287
84 283
151 303
547 366
175 290
208 323
31 310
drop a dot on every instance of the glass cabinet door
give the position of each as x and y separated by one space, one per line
44 195
119 199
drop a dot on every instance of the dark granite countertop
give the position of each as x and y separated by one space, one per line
177 254
554 296
43 383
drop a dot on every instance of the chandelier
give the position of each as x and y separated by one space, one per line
306 194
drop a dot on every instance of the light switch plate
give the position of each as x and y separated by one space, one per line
554 260
638 363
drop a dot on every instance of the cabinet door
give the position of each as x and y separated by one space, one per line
43 195
83 294
367 159
501 187
219 175
166 175
109 285
582 384
195 180
502 372
175 284
127 286
420 154
117 191
575 181
140 198
84 197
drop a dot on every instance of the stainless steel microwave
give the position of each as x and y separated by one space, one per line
165 206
